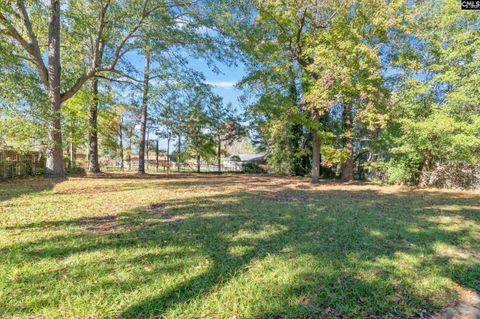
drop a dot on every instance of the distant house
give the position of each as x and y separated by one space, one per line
237 161
150 160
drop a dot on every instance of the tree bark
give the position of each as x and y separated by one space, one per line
96 61
130 138
219 149
72 150
120 135
147 150
168 152
144 114
73 154
178 151
55 166
157 154
198 162
315 156
93 165
347 167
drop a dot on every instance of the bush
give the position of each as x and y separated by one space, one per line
403 170
76 171
253 168
39 171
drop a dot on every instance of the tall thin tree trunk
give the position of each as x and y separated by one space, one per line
73 154
93 164
130 138
120 135
198 162
347 167
157 154
315 156
96 60
219 149
147 150
168 152
143 119
178 151
71 145
55 166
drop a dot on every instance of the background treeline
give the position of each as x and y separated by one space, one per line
354 88
387 89
102 77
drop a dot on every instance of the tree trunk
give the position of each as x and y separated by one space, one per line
143 120
130 138
198 162
147 150
347 167
72 150
73 154
120 135
178 152
55 166
315 156
219 149
168 153
93 165
96 60
427 161
157 154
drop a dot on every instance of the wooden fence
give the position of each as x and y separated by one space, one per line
13 164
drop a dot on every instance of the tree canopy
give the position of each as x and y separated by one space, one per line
351 89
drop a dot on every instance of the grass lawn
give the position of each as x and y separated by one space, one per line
232 246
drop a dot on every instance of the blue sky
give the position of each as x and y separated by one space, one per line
223 83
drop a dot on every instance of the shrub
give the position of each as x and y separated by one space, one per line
250 167
76 171
39 171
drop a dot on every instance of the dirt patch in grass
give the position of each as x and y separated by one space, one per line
99 224
157 211
467 308
332 312
282 197
459 253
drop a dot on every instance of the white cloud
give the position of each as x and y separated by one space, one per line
222 84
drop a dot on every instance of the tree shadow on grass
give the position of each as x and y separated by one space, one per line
18 187
367 250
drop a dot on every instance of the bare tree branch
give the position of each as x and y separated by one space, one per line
32 49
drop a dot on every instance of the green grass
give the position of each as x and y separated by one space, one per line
232 246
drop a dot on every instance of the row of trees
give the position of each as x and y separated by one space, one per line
203 121
51 51
330 84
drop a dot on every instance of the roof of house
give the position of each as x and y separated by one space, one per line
246 158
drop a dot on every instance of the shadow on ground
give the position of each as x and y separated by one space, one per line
17 187
360 244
